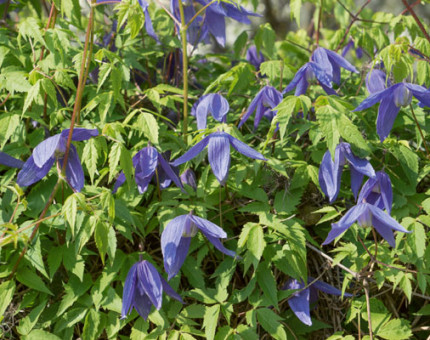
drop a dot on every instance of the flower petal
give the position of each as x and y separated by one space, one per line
142 304
129 290
300 74
385 231
193 152
387 113
218 245
169 290
326 288
31 173
375 81
356 180
376 97
207 227
74 171
216 24
386 219
80 134
302 87
361 165
323 76
169 171
340 61
149 278
420 92
219 156
299 304
329 176
145 167
219 107
320 58
10 161
119 181
251 108
45 150
245 149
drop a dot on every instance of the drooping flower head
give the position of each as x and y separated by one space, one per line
212 103
367 215
10 161
176 239
218 144
300 301
265 100
330 171
188 177
378 192
51 149
254 58
146 162
144 287
391 99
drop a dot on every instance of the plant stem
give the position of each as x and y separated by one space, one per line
198 13
421 132
319 23
183 32
417 20
220 207
369 319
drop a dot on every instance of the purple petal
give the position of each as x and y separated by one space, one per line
329 176
245 149
169 290
219 156
302 87
361 165
218 245
145 167
386 219
128 294
200 109
169 171
31 173
340 61
376 97
322 74
375 81
385 231
149 278
171 239
251 109
45 150
320 58
356 180
208 228
299 304
80 134
216 24
326 288
119 181
7 160
188 177
219 107
301 73
74 171
420 92
386 190
387 113
329 90
193 152
142 304
345 222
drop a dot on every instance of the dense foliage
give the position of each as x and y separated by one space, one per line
274 187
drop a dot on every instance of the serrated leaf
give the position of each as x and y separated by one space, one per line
126 165
91 325
397 329
7 288
210 321
267 283
9 122
31 96
270 322
101 236
114 158
31 280
149 126
90 157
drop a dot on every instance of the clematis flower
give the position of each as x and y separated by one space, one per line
212 103
367 215
10 161
218 144
351 45
376 80
148 22
146 162
330 171
188 177
216 13
51 149
254 58
300 301
378 192
391 99
176 238
144 287
265 100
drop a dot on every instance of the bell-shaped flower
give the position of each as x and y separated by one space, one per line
300 301
212 103
376 80
254 58
391 99
367 215
216 13
378 192
218 144
144 5
51 149
176 239
265 100
331 62
10 161
146 163
309 73
144 287
330 171
188 177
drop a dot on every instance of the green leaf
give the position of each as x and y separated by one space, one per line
126 165
90 156
32 95
270 322
210 321
397 329
272 69
286 108
295 6
31 280
267 283
39 334
8 126
255 245
149 126
7 288
27 324
265 39
101 233
114 158
91 325
70 209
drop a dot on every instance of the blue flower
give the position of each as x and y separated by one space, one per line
391 99
377 191
254 58
188 177
350 45
146 162
7 160
143 288
51 149
330 171
376 80
218 144
265 101
176 239
212 103
300 301
367 215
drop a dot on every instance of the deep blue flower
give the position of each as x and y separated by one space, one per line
376 80
265 100
300 301
378 192
212 103
7 160
176 239
254 58
188 177
367 215
146 162
219 153
330 171
391 99
51 149
144 287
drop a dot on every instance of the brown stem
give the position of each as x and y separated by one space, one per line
417 20
369 318
50 23
413 5
421 132
5 100
319 23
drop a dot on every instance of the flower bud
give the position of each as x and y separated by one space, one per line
402 96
